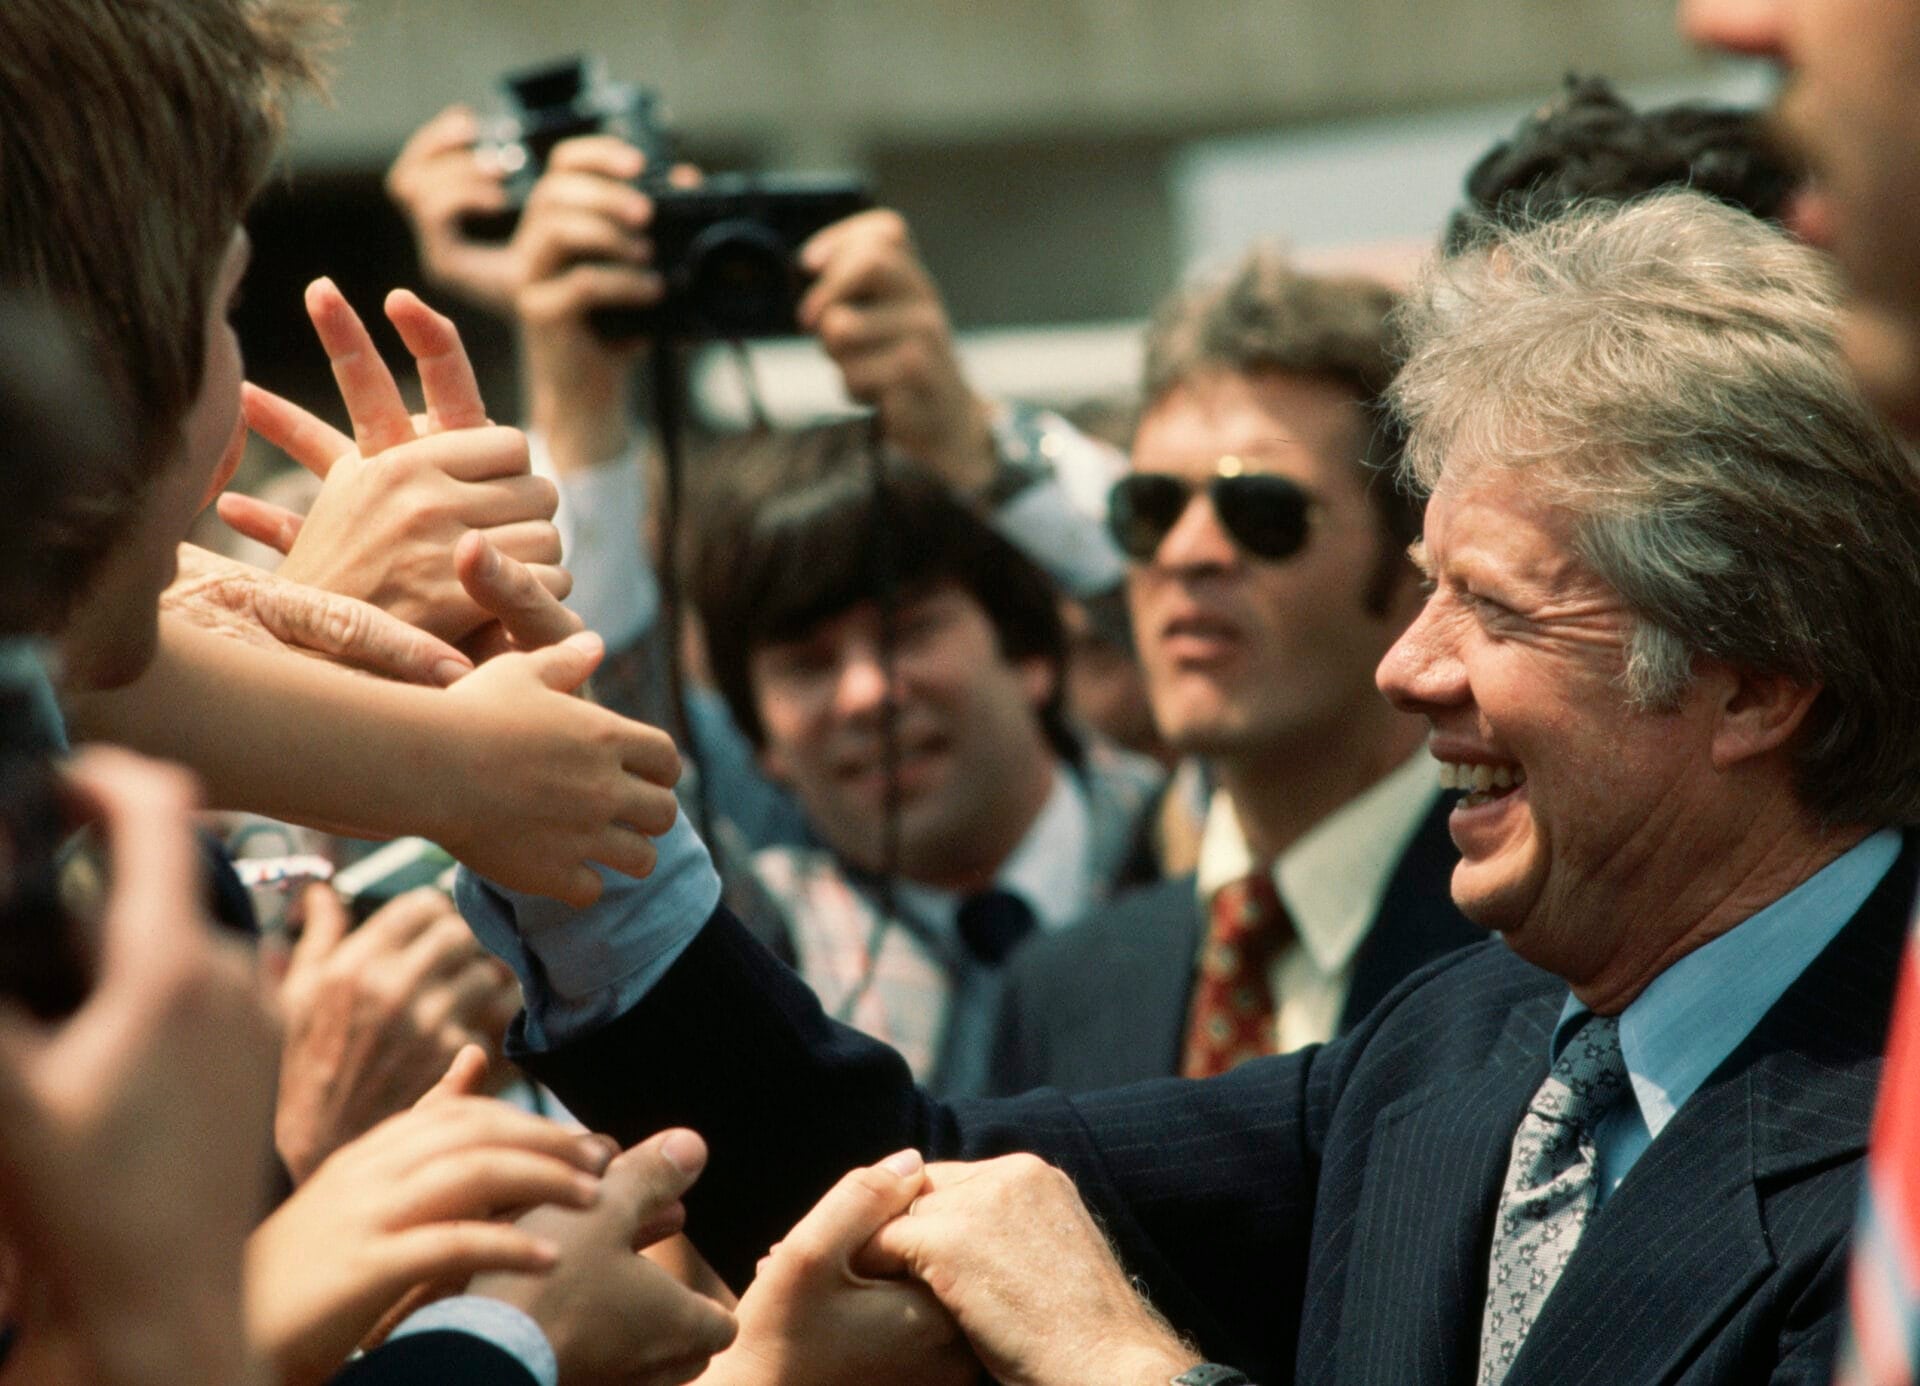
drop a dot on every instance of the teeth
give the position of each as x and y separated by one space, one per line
1479 778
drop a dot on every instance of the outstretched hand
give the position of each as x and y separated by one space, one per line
414 1200
611 1315
397 496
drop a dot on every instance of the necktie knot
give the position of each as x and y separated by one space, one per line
1587 1078
992 923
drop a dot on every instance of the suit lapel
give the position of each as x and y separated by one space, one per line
1417 1269
1684 1239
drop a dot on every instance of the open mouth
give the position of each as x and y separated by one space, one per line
1482 783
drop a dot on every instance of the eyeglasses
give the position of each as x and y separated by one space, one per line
1264 513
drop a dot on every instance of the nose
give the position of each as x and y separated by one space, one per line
1422 673
1197 540
860 684
1751 28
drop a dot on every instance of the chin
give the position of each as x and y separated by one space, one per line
98 664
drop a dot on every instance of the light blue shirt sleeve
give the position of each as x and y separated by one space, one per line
493 1320
580 969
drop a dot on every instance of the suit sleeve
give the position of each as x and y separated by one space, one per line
445 1356
732 1044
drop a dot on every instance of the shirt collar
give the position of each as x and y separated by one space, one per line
1691 1017
1051 867
1333 878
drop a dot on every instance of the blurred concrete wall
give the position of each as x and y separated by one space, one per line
813 81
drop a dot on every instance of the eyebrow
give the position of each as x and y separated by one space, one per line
1417 551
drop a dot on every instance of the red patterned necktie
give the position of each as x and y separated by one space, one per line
1233 1008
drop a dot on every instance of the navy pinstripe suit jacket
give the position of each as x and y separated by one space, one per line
1324 1216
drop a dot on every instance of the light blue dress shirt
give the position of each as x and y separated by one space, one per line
1691 1017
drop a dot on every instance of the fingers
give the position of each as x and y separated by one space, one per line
446 375
458 1250
491 1180
644 1181
606 155
396 925
327 924
867 256
311 441
258 520
651 754
507 590
143 807
359 634
625 851
380 417
527 541
855 1208
464 1077
567 665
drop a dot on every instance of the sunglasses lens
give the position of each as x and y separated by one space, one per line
1141 509
1265 514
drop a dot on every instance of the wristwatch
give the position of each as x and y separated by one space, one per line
1211 1374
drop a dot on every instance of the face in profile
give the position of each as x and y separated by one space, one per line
1851 106
111 637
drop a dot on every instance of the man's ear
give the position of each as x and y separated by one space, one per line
1757 713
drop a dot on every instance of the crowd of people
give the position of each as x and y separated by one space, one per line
1494 962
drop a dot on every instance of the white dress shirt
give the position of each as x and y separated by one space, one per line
1331 880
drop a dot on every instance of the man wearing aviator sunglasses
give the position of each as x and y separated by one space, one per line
1266 578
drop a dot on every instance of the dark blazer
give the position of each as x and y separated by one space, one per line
1324 1216
445 1356
1105 1002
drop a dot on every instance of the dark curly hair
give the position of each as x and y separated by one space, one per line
1588 145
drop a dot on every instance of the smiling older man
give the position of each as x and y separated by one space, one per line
1674 558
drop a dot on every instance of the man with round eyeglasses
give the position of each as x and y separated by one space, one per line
1266 577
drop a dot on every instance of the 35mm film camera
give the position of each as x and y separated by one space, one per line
726 248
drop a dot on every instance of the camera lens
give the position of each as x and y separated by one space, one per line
740 279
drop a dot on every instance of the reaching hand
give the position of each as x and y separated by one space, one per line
582 245
260 608
438 179
1015 1257
578 782
398 495
810 1317
526 616
415 1199
374 1016
611 1315
137 1127
878 314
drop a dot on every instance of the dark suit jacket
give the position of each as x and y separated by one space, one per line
1105 1002
1324 1216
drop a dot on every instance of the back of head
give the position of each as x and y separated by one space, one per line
1588 145
133 133
1263 316
799 534
1669 374
66 470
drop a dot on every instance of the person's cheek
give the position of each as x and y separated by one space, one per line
229 463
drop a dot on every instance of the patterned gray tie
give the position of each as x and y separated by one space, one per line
1549 1191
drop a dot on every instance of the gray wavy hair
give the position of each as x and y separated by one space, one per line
1669 372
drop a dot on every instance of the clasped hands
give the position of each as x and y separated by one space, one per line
912 1272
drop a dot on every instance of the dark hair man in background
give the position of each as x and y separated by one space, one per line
1267 577
1001 823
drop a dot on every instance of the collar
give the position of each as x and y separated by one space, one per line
1692 1016
1051 868
1333 878
24 666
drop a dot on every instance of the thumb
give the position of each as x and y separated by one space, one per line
327 923
864 1201
463 1077
644 1182
564 667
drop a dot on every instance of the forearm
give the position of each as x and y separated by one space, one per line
292 738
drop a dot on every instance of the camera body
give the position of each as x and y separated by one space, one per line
727 249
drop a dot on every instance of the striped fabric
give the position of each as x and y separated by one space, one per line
1883 1319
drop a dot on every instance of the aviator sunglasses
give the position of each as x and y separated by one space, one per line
1264 513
